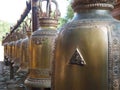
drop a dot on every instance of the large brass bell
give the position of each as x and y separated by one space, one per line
42 44
87 55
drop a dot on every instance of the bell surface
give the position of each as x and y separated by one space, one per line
87 49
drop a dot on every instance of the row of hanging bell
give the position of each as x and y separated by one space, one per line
12 51
86 54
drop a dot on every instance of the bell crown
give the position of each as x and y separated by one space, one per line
87 4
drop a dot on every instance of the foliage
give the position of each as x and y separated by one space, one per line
68 17
4 28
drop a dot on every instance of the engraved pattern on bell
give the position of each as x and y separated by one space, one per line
39 40
41 72
114 58
115 42
116 70
38 82
77 58
90 24
116 84
93 1
77 5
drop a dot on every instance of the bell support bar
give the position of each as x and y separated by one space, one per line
23 16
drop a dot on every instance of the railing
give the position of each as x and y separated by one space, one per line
19 22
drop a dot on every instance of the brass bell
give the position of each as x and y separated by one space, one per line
5 42
6 53
8 50
87 55
24 56
14 36
11 44
20 37
42 44
11 54
18 52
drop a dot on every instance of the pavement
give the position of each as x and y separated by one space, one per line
4 70
5 82
4 76
10 84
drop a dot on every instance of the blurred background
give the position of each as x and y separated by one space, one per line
11 10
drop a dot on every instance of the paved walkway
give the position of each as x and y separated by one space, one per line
4 76
6 83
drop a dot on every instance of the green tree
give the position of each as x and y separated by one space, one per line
68 16
4 28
